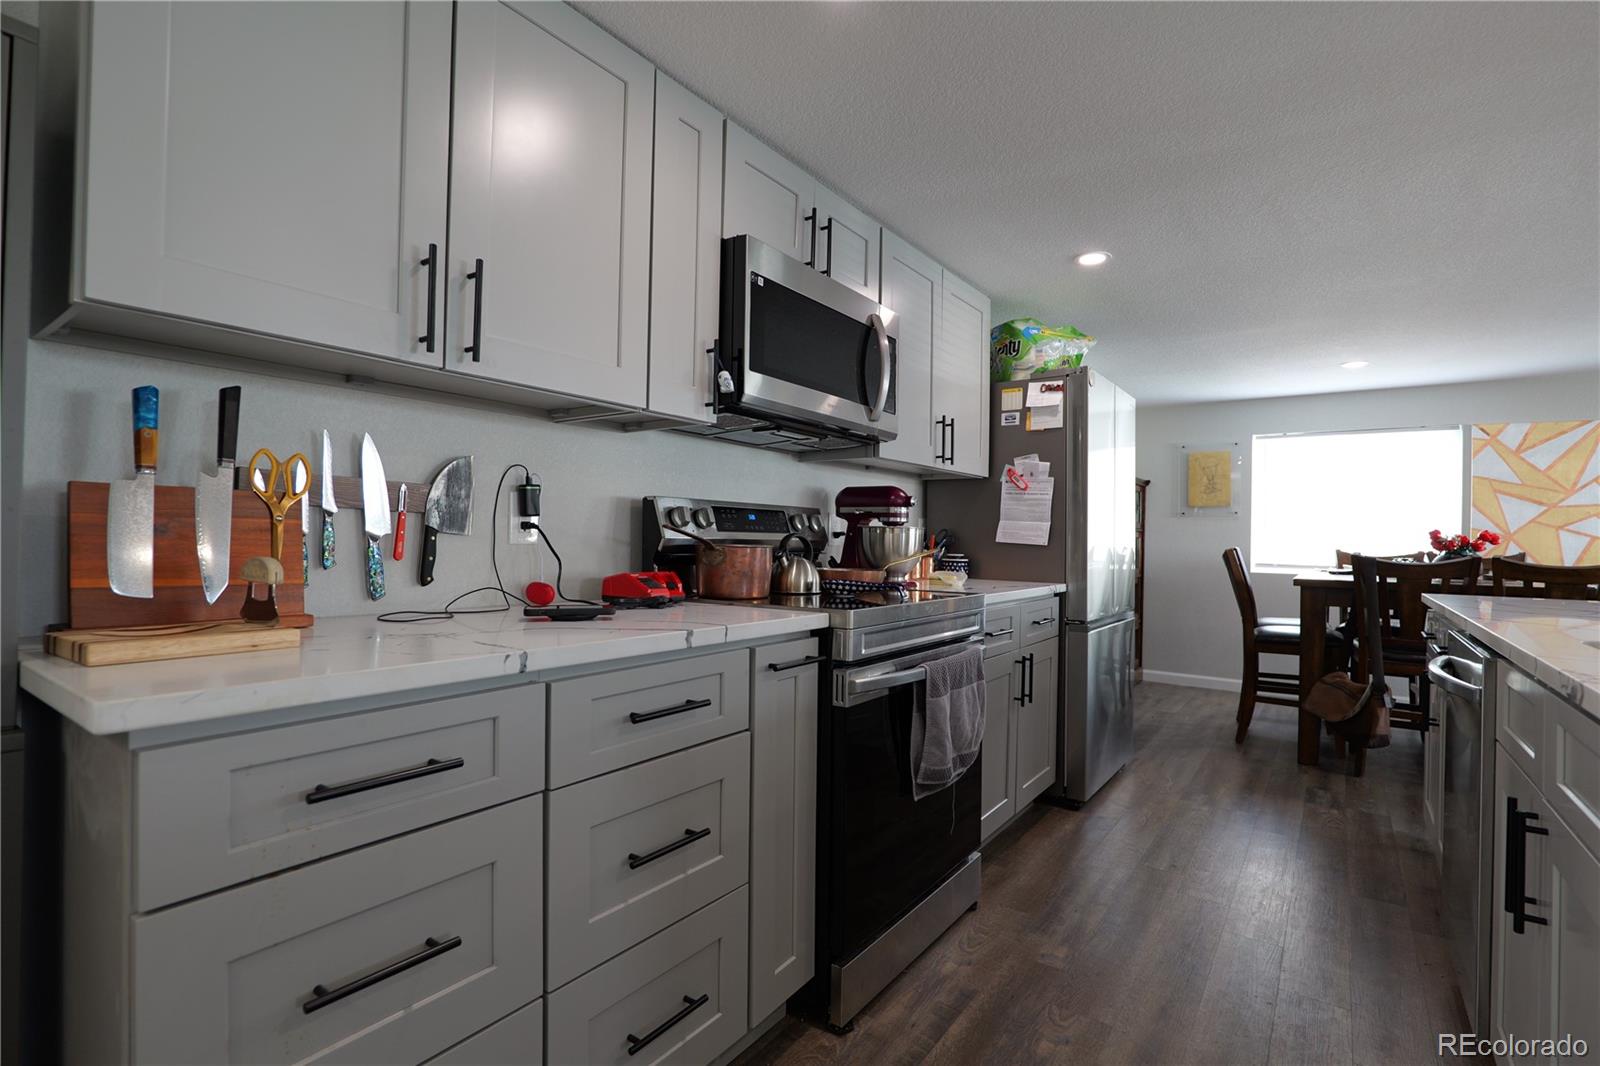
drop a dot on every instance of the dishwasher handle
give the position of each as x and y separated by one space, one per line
1445 671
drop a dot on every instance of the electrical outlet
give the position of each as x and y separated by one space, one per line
515 534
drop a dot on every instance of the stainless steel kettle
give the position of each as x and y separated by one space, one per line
794 574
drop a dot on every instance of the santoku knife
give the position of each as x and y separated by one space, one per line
448 510
375 512
213 500
131 506
330 506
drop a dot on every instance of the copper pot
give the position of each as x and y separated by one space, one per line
730 571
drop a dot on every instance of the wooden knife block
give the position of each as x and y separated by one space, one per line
178 593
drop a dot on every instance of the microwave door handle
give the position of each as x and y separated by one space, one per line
875 320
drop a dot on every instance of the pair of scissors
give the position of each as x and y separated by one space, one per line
280 485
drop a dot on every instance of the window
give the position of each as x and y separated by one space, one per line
1378 493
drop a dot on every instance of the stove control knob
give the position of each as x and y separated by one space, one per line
677 516
815 522
797 522
702 517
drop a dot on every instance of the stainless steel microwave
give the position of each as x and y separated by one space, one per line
802 350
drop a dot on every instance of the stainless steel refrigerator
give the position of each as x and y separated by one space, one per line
1090 549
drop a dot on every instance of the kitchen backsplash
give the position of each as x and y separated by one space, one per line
78 429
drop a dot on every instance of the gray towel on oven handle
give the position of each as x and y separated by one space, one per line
947 732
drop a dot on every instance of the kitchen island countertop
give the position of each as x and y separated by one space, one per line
1557 642
354 657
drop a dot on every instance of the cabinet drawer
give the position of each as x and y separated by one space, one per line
679 996
217 812
1571 782
1000 633
1041 619
517 1040
607 721
634 851
431 936
1520 720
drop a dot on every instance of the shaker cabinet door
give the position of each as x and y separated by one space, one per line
685 251
1001 679
1520 983
279 169
911 290
549 268
1036 723
1573 880
767 197
961 374
847 244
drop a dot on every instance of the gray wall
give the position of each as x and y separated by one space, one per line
78 428
1191 623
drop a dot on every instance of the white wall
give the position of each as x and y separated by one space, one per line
1191 623
78 428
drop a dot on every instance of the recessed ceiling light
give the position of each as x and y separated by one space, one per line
1355 364
1092 259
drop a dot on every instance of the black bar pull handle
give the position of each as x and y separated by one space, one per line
951 457
1516 893
689 837
475 349
323 793
1022 683
827 271
938 455
637 717
811 217
1030 677
432 948
807 661
432 263
637 1044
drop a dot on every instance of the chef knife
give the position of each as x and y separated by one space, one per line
375 511
448 510
131 506
213 500
330 506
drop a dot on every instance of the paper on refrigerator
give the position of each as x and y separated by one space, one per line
1026 493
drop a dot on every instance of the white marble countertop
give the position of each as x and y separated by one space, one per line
1006 591
348 658
1557 642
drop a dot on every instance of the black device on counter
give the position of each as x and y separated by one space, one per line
569 612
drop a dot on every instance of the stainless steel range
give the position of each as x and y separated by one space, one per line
893 873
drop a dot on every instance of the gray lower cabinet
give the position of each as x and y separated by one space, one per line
1034 728
605 721
212 813
1002 680
516 1040
386 954
783 822
678 997
634 851
1022 678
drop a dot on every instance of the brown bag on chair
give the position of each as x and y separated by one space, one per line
1336 698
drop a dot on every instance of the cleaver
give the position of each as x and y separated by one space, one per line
448 510
213 500
131 506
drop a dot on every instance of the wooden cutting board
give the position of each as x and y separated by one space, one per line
178 594
144 644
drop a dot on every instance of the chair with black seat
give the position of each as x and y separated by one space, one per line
1344 558
1401 587
1267 636
1546 582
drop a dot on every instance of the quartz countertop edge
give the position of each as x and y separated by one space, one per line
1557 642
998 592
354 657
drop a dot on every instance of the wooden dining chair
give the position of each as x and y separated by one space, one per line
1491 561
1267 636
1401 587
1344 558
1546 582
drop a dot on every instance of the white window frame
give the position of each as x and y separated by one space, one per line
1352 491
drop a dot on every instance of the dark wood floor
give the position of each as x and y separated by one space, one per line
1214 904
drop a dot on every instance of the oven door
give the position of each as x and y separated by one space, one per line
807 348
885 851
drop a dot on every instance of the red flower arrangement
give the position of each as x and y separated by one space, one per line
1461 546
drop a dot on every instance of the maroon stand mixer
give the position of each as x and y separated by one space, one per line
858 505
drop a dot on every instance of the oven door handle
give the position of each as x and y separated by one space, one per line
874 410
879 682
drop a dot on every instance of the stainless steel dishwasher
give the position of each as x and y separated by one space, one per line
1462 673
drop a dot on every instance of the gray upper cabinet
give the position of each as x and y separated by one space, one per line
279 169
847 243
548 271
961 375
783 823
768 197
685 251
911 284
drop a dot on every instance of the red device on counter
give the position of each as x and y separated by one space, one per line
642 588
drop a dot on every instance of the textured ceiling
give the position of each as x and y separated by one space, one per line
1283 186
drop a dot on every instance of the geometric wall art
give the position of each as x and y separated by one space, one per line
1537 484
